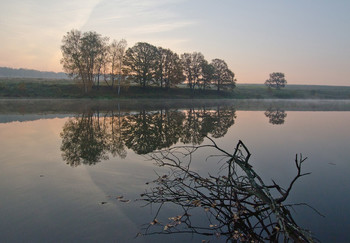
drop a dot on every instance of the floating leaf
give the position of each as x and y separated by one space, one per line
155 221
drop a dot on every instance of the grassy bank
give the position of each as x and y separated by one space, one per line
39 88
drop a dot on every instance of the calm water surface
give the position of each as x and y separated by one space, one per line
61 173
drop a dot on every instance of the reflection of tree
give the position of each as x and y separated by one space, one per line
223 120
116 142
84 140
276 116
191 131
147 131
237 204
169 125
90 137
199 123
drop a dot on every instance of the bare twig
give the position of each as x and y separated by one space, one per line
238 205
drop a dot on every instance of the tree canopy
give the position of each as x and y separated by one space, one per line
142 60
224 78
81 55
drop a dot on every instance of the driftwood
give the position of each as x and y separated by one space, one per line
237 203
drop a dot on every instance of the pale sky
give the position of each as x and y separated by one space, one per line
308 40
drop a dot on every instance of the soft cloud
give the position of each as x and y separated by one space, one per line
157 27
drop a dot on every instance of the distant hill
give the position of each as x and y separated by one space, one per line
6 72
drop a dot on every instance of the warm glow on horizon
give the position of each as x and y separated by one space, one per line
306 40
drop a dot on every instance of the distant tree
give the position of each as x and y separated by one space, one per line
81 54
223 77
142 60
276 80
192 67
169 71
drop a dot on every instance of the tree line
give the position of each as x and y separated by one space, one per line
91 58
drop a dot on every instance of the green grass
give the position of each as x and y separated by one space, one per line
41 88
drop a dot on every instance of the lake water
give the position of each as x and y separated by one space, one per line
72 171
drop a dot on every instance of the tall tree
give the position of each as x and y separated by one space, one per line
101 60
276 80
224 78
142 60
192 66
169 72
81 52
116 57
208 72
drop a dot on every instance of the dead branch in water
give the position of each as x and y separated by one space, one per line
237 203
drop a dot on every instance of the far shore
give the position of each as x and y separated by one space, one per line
67 89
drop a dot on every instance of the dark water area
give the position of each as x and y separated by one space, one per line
75 171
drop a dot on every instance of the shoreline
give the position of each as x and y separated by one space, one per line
49 106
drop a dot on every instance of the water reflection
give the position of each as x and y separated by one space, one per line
236 203
84 140
276 116
93 136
